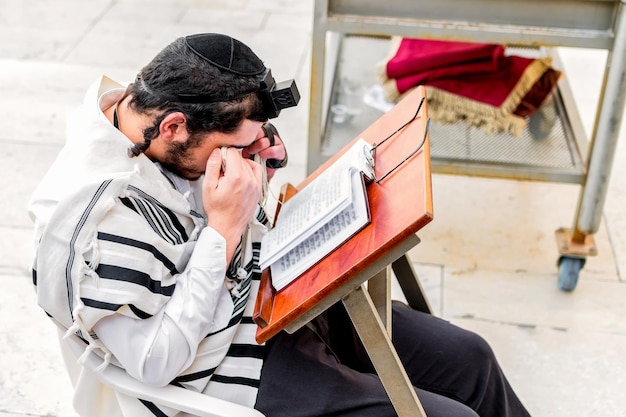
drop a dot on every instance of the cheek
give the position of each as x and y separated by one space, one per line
200 158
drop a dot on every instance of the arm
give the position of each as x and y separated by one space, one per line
156 349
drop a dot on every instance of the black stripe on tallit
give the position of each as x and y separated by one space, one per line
239 350
194 376
153 408
147 212
140 245
142 279
138 312
173 219
239 380
89 302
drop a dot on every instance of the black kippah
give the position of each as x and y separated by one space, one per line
226 53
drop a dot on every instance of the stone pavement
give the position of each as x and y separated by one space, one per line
487 261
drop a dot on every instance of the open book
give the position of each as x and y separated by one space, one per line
320 217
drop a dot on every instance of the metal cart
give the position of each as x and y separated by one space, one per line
342 27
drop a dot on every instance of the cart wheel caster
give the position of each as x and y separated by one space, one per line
569 270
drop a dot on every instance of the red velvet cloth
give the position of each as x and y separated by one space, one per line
415 56
476 71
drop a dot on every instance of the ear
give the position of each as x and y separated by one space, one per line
173 128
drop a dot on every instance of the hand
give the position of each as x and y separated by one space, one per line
230 197
269 146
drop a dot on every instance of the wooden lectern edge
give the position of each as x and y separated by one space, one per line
286 192
264 300
265 297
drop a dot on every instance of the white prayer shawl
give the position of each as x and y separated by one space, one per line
91 204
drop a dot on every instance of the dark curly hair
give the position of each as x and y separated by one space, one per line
176 71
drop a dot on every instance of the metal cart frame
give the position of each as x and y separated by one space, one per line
596 24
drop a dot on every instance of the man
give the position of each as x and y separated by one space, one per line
148 228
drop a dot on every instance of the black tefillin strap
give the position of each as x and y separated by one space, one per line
270 132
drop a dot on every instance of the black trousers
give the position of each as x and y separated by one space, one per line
323 370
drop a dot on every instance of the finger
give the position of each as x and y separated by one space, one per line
257 169
213 168
241 168
253 172
258 146
277 151
232 162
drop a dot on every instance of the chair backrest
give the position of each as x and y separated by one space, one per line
177 398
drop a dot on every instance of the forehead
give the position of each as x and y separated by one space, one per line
245 134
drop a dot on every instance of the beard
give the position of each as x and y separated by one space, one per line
178 158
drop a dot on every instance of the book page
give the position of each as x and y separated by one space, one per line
309 208
316 203
325 239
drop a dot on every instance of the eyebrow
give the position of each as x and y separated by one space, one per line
242 146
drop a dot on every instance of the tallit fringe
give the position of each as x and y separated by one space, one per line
92 343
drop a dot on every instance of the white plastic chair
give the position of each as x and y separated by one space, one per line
177 398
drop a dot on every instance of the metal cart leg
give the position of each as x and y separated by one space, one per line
577 243
324 57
